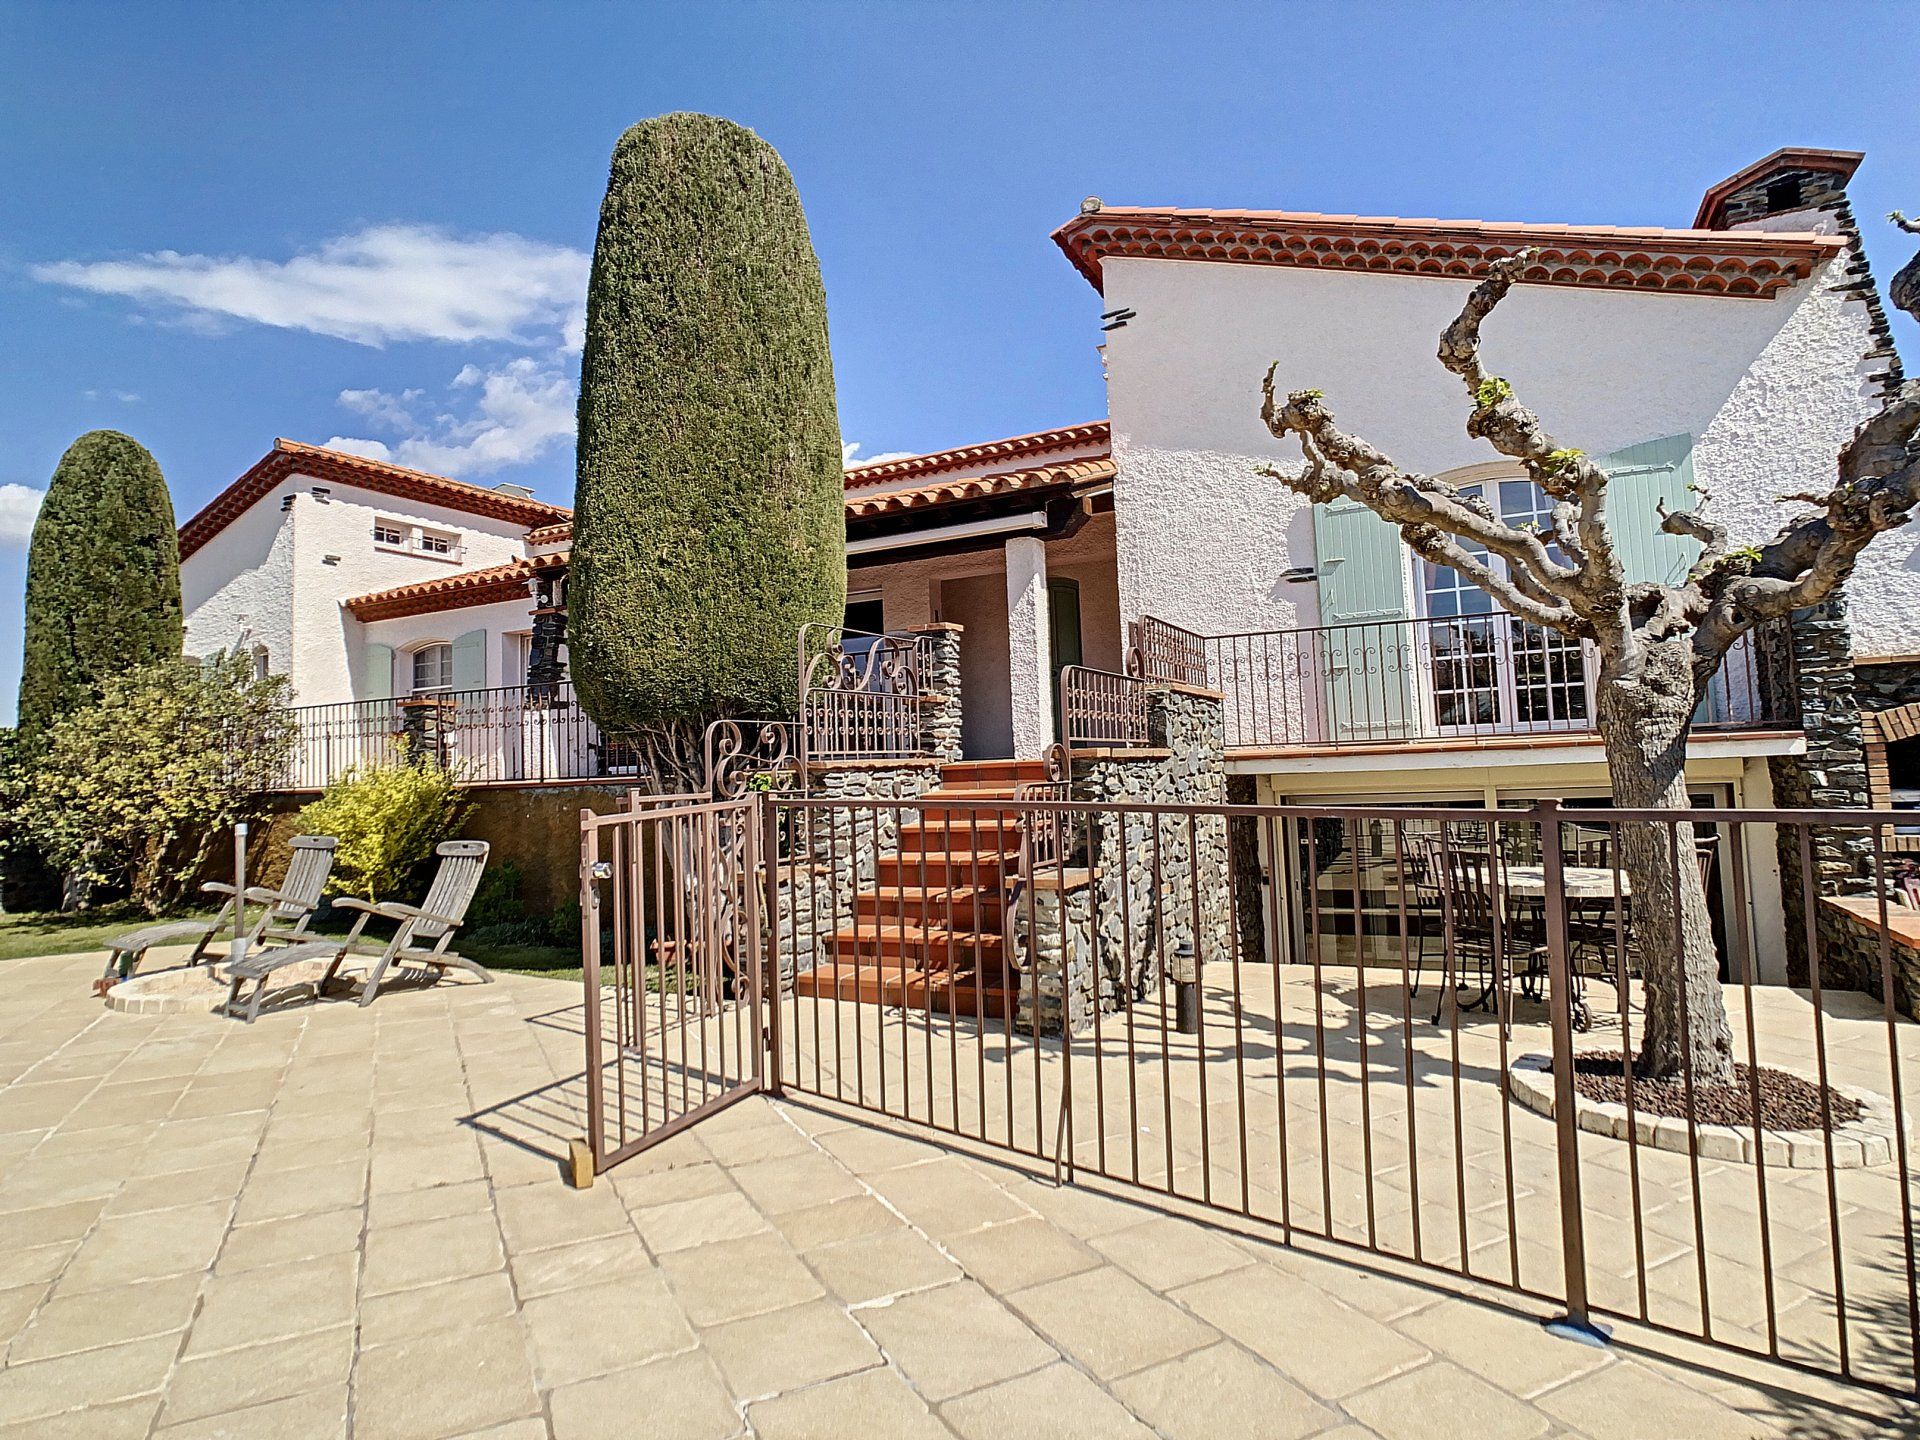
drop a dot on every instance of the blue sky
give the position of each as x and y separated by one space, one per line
224 223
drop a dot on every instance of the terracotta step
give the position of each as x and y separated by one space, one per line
959 994
919 947
910 872
956 907
997 772
961 830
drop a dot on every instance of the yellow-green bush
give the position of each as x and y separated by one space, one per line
387 819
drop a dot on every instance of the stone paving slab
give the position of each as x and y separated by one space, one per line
354 1223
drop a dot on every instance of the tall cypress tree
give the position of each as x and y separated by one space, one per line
103 577
709 522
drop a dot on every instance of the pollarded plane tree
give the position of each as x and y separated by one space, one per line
1659 645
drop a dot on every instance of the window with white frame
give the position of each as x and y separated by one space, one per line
436 542
388 532
1486 668
432 669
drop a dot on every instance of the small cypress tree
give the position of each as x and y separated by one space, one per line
708 510
103 578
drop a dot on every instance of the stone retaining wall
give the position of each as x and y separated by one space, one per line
1851 948
1131 899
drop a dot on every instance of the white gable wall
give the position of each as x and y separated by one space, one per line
279 577
1770 389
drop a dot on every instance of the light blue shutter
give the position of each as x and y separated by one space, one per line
1368 666
376 672
470 661
1640 479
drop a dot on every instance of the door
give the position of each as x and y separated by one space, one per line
1063 624
1362 654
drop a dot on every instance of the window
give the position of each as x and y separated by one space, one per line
262 663
1487 669
432 669
385 532
434 543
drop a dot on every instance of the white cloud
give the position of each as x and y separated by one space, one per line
515 413
850 454
125 397
382 283
18 505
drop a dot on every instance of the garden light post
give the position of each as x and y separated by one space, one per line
239 945
1186 991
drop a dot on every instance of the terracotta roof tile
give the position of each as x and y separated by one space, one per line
453 592
1065 474
1745 263
1014 447
289 457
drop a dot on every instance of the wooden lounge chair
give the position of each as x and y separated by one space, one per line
284 912
421 939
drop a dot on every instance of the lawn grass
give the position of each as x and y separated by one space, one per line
51 932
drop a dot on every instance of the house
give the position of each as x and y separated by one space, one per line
1734 356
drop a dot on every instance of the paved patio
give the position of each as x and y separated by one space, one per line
353 1222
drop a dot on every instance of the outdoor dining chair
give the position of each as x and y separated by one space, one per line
419 941
1485 927
284 912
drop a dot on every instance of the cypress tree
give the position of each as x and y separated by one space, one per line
103 577
709 522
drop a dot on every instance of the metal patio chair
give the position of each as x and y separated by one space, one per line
284 912
420 941
1486 929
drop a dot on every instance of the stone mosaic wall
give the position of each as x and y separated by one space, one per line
1132 909
1832 773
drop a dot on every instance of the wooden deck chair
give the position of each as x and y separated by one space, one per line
283 918
421 939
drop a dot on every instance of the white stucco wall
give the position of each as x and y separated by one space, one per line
237 590
407 633
278 576
1769 388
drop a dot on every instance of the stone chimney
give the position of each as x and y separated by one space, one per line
1804 189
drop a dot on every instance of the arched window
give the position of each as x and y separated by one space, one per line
432 669
262 663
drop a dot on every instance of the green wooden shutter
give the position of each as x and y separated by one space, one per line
470 661
1640 479
376 672
1367 667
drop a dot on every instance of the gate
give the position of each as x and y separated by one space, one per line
673 959
1381 1028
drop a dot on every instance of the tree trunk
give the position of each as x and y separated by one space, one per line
1644 722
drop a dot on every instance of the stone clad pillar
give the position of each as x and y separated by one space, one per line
1029 647
940 691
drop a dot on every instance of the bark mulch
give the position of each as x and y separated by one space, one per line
1787 1102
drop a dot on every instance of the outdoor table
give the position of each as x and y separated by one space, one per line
1580 882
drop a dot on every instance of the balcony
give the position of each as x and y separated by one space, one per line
1486 678
511 735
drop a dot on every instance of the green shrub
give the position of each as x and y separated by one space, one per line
132 791
103 578
387 819
709 519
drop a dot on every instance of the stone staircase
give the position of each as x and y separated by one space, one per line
927 931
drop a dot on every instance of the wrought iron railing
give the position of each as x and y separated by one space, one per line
487 737
860 694
1468 676
1101 709
1160 650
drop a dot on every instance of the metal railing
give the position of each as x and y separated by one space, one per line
1469 676
488 737
1160 650
1370 1038
1102 709
860 694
